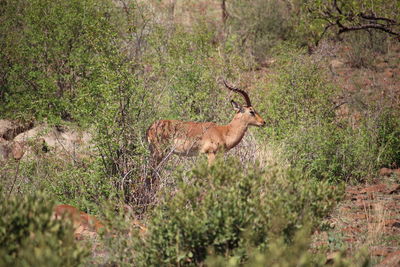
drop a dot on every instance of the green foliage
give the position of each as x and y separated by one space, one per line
29 236
120 245
364 47
341 16
300 97
84 187
301 111
186 66
260 25
278 253
225 211
375 143
301 106
388 137
51 52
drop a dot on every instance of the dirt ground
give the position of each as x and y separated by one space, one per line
368 220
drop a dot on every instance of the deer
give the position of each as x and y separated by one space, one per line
188 138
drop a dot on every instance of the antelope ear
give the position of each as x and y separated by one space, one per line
237 107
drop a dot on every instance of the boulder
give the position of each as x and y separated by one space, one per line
336 64
10 129
11 149
63 141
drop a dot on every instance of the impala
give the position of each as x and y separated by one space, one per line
192 138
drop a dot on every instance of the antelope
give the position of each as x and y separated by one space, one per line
83 223
187 138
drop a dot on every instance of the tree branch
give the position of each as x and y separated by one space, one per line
373 17
365 27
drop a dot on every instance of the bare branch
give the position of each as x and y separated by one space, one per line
354 20
365 27
373 17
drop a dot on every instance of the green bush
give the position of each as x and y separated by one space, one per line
224 210
260 25
301 111
51 52
81 184
278 253
364 47
374 143
29 236
186 72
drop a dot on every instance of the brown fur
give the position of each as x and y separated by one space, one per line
81 220
193 138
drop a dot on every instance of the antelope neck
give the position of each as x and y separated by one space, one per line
235 132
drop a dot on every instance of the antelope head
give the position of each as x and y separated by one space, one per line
245 113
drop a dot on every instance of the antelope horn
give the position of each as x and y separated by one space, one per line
243 93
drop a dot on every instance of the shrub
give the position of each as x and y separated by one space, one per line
186 73
29 236
278 253
260 25
301 111
50 52
375 142
364 47
223 210
301 105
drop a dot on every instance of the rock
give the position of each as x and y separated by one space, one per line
10 129
330 257
63 141
335 64
353 191
358 216
359 197
393 189
388 73
351 230
18 150
392 223
10 150
385 172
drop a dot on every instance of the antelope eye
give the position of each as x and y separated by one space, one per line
252 113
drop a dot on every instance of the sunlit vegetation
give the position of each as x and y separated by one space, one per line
104 70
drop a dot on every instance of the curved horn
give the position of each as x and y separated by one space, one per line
243 93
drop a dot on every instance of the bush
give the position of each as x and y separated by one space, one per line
301 111
29 236
364 47
301 107
279 253
375 142
260 25
223 211
50 53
